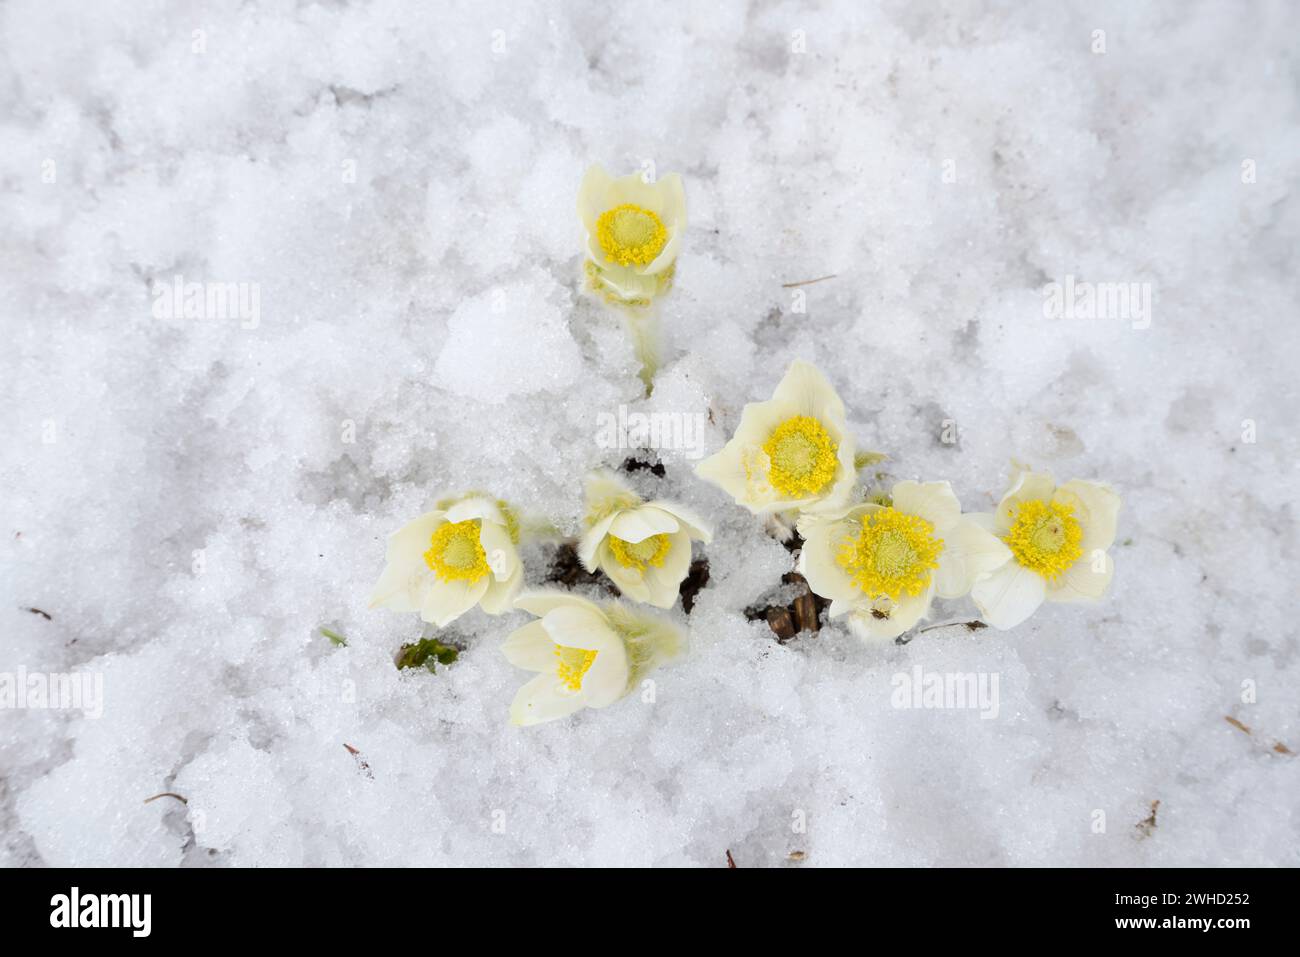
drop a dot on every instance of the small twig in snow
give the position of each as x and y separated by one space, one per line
806 282
167 794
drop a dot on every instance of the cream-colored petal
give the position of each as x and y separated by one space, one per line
541 601
446 601
499 550
724 470
409 543
594 196
638 524
476 507
818 562
401 587
1009 595
969 552
696 527
932 501
530 647
543 699
1025 486
606 681
885 620
575 627
592 539
1096 506
667 256
805 388
1082 581
665 581
629 581
625 281
500 595
633 189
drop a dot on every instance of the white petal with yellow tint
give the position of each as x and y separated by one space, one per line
576 627
500 595
543 600
446 601
630 581
665 581
543 699
818 559
1025 486
884 619
969 552
1009 595
1096 507
1082 581
932 501
530 648
695 526
638 524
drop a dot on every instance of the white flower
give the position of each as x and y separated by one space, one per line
634 230
448 560
644 547
586 655
790 452
1057 536
883 564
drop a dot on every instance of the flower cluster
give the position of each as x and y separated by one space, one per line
879 559
465 553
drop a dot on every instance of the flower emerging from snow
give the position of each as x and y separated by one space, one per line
448 560
634 229
792 452
586 655
1057 536
883 564
644 547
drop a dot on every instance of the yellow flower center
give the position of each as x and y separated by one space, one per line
638 555
572 665
801 457
455 553
631 235
1045 537
892 553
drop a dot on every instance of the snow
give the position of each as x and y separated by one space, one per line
191 499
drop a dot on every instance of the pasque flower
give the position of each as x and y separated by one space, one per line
882 564
792 452
634 230
461 554
1057 537
644 547
586 655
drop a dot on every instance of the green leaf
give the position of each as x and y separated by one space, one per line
335 638
429 652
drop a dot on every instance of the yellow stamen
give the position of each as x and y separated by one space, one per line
455 553
638 555
892 553
572 665
1045 537
801 457
631 235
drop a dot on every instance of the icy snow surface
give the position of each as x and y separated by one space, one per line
190 500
